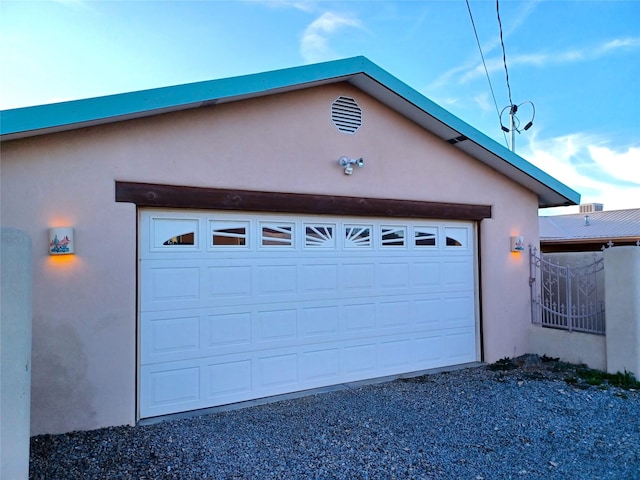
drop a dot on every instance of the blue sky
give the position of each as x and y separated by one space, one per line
577 61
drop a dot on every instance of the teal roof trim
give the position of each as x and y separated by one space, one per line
433 109
361 72
134 104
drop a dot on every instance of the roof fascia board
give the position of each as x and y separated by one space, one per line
446 125
42 119
359 71
613 238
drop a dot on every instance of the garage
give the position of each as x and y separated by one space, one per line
237 306
276 232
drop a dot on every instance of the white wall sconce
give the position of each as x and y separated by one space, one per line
61 241
348 164
517 243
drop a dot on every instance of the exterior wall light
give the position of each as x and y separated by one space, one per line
517 243
61 241
348 164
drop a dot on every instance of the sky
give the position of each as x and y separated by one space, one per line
577 62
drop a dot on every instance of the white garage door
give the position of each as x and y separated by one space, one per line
237 306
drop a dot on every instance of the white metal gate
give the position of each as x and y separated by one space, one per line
569 296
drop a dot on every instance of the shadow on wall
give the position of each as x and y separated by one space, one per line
60 385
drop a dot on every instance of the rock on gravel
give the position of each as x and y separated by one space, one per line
513 420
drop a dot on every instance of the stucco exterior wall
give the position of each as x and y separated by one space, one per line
84 326
622 298
573 347
15 353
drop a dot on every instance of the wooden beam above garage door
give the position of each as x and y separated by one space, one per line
172 196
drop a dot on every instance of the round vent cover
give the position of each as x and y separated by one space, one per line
346 114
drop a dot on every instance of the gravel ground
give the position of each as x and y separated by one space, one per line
525 422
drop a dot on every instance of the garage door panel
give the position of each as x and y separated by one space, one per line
320 364
173 284
276 371
394 314
278 324
177 385
428 311
428 349
271 304
425 274
359 359
243 376
396 354
249 328
393 275
358 276
320 277
228 330
276 280
319 321
175 337
168 388
225 284
459 346
358 317
458 311
228 378
458 273
229 281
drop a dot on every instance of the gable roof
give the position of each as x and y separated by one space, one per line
358 71
620 225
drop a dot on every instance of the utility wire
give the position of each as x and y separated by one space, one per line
504 54
486 71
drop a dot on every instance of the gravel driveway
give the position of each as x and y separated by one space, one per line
522 423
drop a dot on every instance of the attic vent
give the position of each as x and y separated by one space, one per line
458 139
346 114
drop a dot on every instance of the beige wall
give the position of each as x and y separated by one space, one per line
573 347
84 325
16 279
622 300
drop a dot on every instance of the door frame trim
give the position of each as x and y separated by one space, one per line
149 195
174 196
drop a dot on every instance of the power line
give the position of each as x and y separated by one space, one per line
486 71
514 122
504 53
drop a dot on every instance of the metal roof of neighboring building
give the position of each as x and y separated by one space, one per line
601 226
358 71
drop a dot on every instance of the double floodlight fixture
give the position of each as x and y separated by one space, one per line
348 164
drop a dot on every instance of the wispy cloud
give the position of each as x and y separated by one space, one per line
587 164
75 4
619 43
512 25
314 45
302 5
471 68
541 59
621 165
483 101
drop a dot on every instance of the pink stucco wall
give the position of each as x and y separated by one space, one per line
84 326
